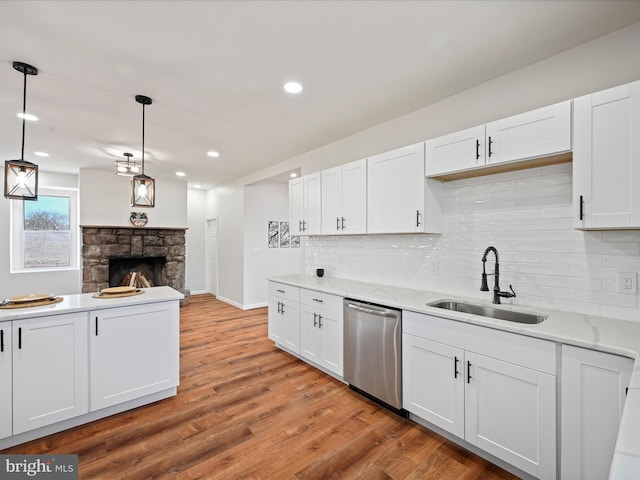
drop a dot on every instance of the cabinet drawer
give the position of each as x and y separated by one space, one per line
286 292
521 350
322 300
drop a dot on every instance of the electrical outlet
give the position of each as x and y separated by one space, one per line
628 282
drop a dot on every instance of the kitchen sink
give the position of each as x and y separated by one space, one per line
509 315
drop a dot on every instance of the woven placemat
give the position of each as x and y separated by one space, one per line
39 303
117 295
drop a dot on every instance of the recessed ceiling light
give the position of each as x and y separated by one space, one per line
28 117
181 174
293 174
213 153
292 87
197 186
41 154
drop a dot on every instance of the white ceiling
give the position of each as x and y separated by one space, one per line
215 71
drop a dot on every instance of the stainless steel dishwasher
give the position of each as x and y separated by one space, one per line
372 352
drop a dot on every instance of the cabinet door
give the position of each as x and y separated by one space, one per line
593 393
354 197
134 352
332 200
291 313
538 133
606 158
309 334
455 152
296 206
6 389
275 321
395 193
50 370
510 412
331 328
312 192
433 382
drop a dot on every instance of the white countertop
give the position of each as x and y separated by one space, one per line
603 334
86 302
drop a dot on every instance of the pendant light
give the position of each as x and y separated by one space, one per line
20 176
128 167
143 188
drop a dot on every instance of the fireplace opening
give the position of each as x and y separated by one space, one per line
152 268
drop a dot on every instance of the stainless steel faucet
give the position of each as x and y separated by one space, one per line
496 273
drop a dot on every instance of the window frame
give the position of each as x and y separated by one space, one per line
17 232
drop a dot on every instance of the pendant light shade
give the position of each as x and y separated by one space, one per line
143 187
20 176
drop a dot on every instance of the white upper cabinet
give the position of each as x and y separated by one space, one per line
539 133
457 151
606 159
304 205
344 199
399 198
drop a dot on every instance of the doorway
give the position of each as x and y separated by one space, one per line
212 255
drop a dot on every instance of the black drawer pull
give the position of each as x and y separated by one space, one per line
1 340
455 367
490 143
477 149
319 321
468 371
581 207
318 300
19 338
96 326
315 319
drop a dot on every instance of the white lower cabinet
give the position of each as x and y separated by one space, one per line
510 413
50 370
284 315
134 352
6 369
593 393
494 389
321 329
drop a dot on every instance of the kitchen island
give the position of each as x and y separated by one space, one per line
609 336
85 358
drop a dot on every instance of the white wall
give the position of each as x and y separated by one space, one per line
58 282
105 201
227 204
196 264
265 201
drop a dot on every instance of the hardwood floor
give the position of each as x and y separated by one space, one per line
247 410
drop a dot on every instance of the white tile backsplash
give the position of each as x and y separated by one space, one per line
526 215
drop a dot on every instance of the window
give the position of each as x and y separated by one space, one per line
44 232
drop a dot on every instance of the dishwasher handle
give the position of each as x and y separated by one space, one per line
380 312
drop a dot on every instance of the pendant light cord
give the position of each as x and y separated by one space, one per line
143 106
24 112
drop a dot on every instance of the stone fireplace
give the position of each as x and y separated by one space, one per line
160 249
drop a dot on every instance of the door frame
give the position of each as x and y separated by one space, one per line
208 256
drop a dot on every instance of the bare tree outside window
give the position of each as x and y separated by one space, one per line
47 234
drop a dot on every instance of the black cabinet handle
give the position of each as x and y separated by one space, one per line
417 218
96 326
581 207
455 367
315 319
319 321
299 225
304 225
19 338
490 143
337 223
477 149
319 300
1 340
342 222
468 371
280 291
